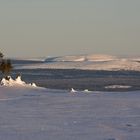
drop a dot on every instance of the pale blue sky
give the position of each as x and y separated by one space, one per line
34 28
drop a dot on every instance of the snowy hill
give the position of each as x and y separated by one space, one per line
85 62
81 58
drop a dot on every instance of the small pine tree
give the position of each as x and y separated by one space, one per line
1 55
6 66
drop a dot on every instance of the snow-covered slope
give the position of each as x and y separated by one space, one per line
86 62
81 58
118 64
39 114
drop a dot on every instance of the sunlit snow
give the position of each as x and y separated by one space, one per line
17 82
86 62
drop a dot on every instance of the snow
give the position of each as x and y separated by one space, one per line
86 62
86 90
17 82
117 86
39 114
80 58
33 84
73 90
42 59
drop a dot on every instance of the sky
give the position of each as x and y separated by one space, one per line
37 28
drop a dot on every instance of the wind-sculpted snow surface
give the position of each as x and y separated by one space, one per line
43 114
86 62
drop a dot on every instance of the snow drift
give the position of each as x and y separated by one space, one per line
8 81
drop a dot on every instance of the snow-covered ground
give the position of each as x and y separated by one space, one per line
29 112
33 113
86 62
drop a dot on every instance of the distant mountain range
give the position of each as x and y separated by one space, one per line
85 62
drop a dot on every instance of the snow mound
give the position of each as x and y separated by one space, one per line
87 91
19 81
8 81
33 84
73 90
